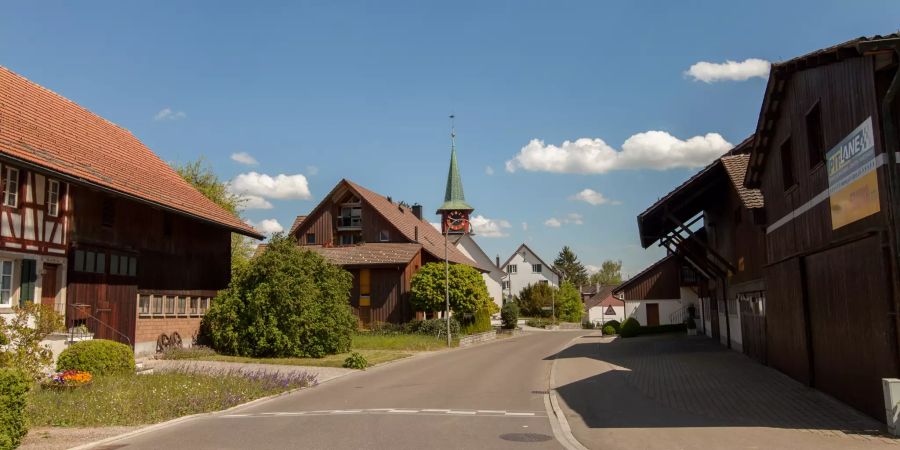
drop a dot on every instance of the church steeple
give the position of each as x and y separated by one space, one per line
455 211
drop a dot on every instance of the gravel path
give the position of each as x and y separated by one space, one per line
52 438
322 373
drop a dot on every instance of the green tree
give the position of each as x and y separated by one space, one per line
610 274
201 176
572 270
569 307
468 292
21 335
285 302
532 300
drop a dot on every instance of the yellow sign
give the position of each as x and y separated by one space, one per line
855 201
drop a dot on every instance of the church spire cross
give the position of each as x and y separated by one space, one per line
454 198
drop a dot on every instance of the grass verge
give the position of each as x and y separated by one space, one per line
406 342
145 399
373 356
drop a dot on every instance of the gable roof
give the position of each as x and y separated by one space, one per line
736 166
600 296
490 266
526 247
297 221
41 129
627 283
778 76
374 254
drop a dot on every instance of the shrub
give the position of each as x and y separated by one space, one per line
569 306
97 356
609 329
534 298
467 289
540 322
14 386
23 333
509 315
192 352
356 361
286 302
433 327
613 323
630 328
480 323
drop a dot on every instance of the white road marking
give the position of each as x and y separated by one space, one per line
519 414
436 410
463 412
490 411
405 411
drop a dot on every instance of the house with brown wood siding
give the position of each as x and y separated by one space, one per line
382 243
97 226
825 159
663 294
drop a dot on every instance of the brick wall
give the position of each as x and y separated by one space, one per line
148 329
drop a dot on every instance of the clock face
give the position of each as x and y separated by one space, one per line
457 221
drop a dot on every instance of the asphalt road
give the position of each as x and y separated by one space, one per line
486 396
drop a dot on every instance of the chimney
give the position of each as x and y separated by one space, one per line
498 260
417 210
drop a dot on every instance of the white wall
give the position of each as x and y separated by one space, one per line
597 314
524 274
492 279
17 257
638 310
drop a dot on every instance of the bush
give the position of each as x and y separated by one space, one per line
509 316
609 330
588 325
192 352
541 322
630 328
97 356
569 306
432 327
14 386
356 361
534 298
480 323
613 323
23 333
286 302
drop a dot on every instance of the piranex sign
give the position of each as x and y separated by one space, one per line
852 178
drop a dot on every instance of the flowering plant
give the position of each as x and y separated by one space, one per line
70 378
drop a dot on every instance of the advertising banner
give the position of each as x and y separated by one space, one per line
852 178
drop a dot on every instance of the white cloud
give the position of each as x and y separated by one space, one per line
553 222
591 269
708 72
255 202
312 170
488 170
488 228
593 197
569 219
524 226
266 226
655 150
244 158
280 186
168 114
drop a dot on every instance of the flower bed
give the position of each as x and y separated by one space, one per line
69 379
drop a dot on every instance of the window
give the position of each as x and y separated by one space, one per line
182 305
114 264
815 141
536 268
100 266
132 266
310 238
89 259
350 217
157 303
79 260
194 305
512 268
108 213
384 236
53 198
170 304
11 189
350 239
6 278
787 165
144 305
505 284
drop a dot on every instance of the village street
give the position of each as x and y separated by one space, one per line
652 392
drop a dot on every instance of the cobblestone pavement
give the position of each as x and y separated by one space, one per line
322 373
687 391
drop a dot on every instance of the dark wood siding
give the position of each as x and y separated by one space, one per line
787 348
659 283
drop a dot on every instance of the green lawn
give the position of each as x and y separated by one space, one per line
145 399
373 356
405 342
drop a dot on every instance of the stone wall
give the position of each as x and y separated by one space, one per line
473 339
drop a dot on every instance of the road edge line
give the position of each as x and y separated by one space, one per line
558 422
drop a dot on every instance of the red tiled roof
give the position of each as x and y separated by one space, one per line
406 222
367 254
736 166
600 297
40 127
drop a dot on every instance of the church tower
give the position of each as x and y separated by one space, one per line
455 211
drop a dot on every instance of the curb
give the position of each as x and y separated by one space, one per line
558 422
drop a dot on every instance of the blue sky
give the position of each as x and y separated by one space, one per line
362 90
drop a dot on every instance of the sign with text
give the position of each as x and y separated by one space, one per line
852 178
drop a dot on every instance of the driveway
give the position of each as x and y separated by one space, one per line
675 391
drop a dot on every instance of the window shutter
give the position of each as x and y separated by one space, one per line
29 276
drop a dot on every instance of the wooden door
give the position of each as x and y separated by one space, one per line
49 285
652 314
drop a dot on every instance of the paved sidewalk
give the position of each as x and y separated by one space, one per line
676 391
322 373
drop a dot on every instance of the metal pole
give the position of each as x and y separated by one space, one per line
446 288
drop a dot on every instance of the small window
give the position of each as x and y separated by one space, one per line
384 236
192 305
505 285
814 138
108 212
350 239
53 198
310 238
788 178
536 268
182 305
132 267
512 268
100 267
89 259
365 300
114 264
6 279
144 305
79 260
157 302
11 189
544 282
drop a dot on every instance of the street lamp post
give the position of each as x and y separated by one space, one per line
446 286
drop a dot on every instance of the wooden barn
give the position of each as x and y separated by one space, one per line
381 242
663 294
713 222
825 159
93 223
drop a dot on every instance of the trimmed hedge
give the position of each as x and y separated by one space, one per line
609 330
630 328
613 323
97 356
480 323
14 386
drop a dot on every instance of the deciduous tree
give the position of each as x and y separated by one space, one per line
468 292
610 274
568 303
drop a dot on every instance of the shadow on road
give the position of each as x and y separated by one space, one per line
681 381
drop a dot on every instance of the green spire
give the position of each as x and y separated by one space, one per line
454 199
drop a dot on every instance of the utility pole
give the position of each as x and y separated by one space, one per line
446 285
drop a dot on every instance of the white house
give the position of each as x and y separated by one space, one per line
603 306
466 244
525 267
